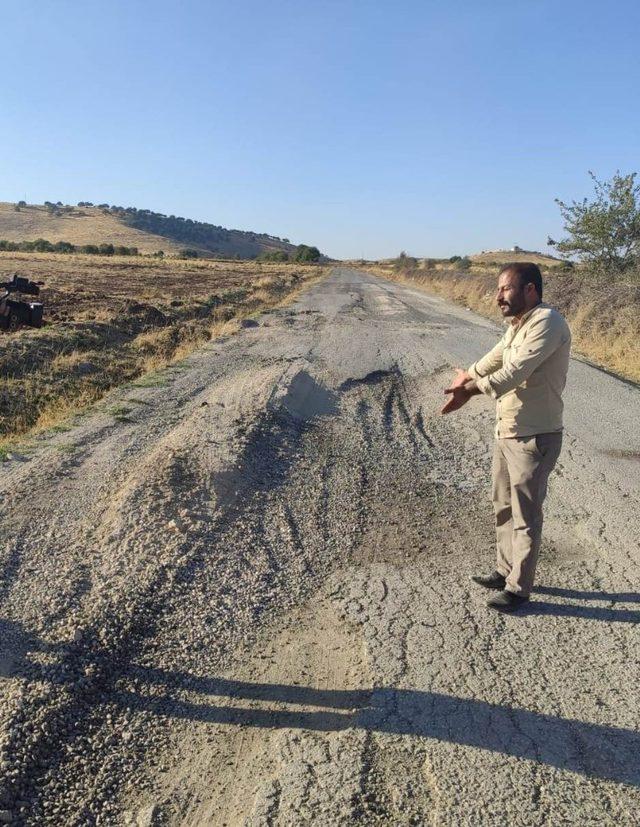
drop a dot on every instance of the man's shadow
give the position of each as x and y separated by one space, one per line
592 750
15 645
595 750
588 612
578 594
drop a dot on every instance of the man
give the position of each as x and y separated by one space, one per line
526 373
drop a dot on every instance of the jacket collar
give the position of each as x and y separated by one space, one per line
527 315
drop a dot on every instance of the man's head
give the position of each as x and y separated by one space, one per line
519 288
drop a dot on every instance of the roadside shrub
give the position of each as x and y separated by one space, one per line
405 262
604 232
274 255
305 253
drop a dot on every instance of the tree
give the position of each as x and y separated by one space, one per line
64 247
605 231
274 255
305 253
405 262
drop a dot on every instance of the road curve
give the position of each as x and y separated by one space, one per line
245 599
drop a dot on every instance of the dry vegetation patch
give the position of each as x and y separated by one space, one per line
110 320
80 225
604 315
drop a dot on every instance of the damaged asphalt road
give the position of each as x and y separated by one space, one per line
249 602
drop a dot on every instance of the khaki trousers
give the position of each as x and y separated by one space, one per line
520 471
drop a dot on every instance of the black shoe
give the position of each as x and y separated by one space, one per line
507 601
490 581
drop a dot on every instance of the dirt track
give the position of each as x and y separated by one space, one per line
250 602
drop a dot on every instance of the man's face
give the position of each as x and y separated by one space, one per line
511 297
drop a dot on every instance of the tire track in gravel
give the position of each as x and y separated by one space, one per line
89 669
261 457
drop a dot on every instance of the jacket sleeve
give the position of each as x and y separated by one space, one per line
543 337
490 362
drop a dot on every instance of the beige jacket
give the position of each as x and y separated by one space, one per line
526 373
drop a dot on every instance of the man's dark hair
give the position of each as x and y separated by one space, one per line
527 272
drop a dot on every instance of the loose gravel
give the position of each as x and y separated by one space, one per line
249 603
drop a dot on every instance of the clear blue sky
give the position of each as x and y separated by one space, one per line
363 127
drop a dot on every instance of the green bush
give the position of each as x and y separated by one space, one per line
41 245
305 253
604 232
64 247
273 255
405 262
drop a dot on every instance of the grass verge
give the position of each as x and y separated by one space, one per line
604 316
109 328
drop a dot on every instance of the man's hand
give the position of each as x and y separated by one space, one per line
459 397
461 378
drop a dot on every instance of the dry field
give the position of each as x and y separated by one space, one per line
604 317
110 320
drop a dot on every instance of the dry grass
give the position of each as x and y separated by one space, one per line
499 257
113 320
85 225
604 317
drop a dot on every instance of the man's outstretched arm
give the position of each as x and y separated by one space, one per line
489 363
460 395
543 337
463 386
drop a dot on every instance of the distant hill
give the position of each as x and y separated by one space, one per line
131 227
506 256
